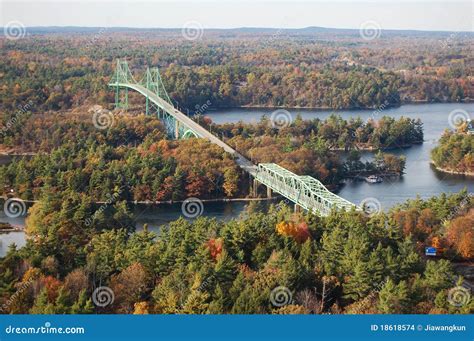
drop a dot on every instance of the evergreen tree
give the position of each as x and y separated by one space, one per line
83 304
438 275
393 299
359 283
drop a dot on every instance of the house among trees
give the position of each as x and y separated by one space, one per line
470 128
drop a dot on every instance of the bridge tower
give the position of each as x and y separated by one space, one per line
122 76
154 83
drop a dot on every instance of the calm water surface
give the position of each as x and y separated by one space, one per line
419 179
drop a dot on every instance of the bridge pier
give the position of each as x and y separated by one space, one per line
297 208
269 192
254 188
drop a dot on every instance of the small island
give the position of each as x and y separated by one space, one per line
6 228
455 152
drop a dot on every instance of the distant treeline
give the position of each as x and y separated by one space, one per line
61 71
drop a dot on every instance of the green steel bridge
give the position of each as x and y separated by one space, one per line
305 191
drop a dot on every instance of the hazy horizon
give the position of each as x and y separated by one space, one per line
386 14
227 28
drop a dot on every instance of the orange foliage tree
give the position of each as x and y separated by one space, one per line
296 228
215 247
460 235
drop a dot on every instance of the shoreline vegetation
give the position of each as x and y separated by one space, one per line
450 171
7 228
151 168
322 108
171 202
454 153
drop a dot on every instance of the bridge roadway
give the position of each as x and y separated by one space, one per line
243 162
304 191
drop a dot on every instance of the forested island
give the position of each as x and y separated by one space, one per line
455 152
135 157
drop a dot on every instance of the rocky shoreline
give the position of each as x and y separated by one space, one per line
449 171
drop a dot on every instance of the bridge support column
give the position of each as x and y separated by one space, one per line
254 188
147 105
121 101
269 192
297 208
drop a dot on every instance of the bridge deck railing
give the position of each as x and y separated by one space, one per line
305 191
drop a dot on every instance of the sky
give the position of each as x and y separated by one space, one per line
387 14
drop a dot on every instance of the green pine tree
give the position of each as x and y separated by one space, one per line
393 299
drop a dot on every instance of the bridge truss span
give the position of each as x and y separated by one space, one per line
305 191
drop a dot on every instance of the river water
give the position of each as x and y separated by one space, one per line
419 179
